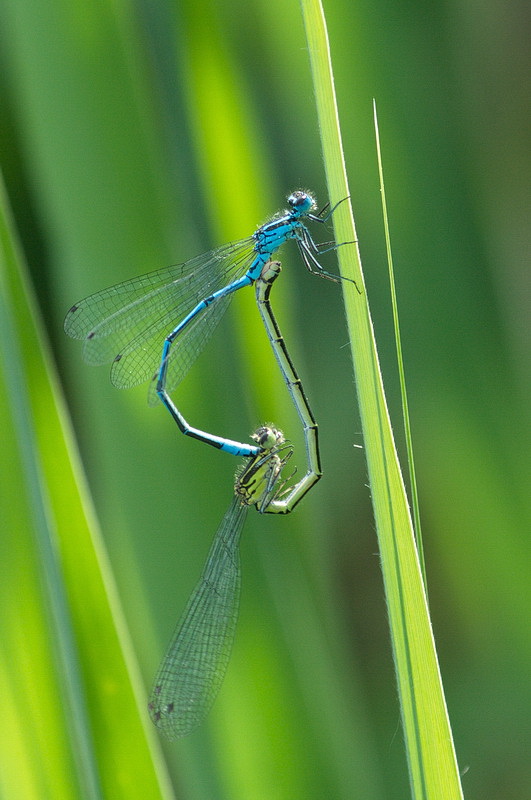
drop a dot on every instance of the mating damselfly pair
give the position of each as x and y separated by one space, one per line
133 325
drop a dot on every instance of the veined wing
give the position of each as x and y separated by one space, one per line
195 663
112 320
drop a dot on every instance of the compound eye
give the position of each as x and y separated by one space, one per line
268 437
301 202
297 199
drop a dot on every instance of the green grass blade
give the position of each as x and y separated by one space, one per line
400 361
429 745
66 670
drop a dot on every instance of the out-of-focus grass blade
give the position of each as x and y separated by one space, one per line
71 725
428 737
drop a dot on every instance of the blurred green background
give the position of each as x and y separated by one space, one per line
138 134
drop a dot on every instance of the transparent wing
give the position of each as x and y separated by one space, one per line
136 315
195 663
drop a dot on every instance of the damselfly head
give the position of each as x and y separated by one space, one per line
301 202
268 437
